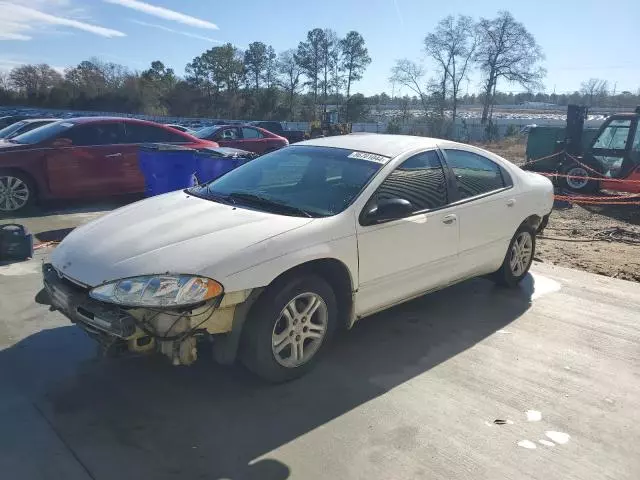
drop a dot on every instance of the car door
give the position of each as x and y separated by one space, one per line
617 147
402 258
488 208
253 140
91 165
138 133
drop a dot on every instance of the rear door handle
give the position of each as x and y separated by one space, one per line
113 155
449 219
511 202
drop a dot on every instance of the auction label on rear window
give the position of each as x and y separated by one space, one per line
372 157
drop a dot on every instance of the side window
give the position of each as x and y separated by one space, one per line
614 136
635 146
474 173
142 133
250 133
230 134
95 134
420 180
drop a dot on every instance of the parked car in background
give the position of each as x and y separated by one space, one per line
244 137
295 246
79 158
24 126
182 128
276 127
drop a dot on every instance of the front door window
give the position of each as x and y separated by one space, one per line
611 146
614 136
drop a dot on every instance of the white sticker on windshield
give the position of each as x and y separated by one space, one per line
66 124
372 157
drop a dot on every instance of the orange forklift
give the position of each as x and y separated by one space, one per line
610 162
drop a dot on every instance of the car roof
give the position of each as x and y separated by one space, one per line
379 144
110 119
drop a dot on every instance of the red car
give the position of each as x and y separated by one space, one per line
245 137
79 158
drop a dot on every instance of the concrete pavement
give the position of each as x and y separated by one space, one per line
410 393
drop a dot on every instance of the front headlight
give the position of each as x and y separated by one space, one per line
158 291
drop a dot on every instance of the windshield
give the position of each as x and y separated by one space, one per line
42 133
315 181
5 132
206 132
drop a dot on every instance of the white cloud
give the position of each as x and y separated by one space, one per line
7 64
179 32
17 22
165 13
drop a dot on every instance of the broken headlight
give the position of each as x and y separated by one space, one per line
158 291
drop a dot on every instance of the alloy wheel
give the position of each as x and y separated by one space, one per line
14 193
521 252
299 330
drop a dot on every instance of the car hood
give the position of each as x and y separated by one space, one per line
175 233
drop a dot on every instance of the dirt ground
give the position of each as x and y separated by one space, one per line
598 239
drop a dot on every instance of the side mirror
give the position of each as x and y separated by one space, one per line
387 209
62 142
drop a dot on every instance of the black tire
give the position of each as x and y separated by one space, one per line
10 176
257 350
505 276
576 184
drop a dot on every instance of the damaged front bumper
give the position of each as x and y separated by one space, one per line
173 332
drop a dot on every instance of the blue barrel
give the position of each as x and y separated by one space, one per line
213 162
166 167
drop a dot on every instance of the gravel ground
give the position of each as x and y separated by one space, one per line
580 236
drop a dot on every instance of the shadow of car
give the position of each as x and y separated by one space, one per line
142 418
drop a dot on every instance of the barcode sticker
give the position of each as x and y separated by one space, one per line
372 157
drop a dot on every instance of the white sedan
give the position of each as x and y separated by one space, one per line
271 259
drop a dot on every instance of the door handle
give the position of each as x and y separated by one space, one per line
113 155
511 202
449 219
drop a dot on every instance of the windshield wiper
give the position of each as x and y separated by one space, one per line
267 202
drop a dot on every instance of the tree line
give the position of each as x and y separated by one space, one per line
320 73
222 82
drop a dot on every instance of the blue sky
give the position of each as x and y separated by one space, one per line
580 40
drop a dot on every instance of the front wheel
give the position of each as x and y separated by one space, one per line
518 259
577 179
288 327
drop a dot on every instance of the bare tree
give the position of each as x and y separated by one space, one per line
411 75
452 47
290 72
34 79
593 88
5 84
355 59
506 50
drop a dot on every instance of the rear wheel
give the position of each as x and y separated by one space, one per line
17 191
288 327
518 259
